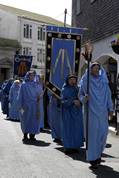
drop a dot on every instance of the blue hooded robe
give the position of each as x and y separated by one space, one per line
5 98
55 117
28 102
40 85
100 103
13 94
72 120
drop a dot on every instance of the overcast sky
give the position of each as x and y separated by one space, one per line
52 8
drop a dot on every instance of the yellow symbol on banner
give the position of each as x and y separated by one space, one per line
64 56
22 69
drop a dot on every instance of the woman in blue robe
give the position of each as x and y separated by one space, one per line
28 99
40 85
13 102
5 98
72 120
100 106
55 117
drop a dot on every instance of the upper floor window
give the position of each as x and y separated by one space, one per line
27 31
41 34
78 7
27 51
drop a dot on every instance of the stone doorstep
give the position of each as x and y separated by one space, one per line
113 131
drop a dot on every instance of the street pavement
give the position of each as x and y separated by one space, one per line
46 159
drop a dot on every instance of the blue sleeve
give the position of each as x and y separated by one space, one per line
82 95
20 97
11 95
66 101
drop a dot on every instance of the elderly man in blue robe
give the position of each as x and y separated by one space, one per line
72 119
100 107
28 99
13 102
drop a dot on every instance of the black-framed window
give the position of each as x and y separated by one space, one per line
27 31
39 55
41 34
27 51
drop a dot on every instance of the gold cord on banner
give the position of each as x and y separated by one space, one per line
62 53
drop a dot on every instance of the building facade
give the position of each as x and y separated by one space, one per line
22 31
100 18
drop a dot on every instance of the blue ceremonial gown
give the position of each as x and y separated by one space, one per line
72 121
30 115
41 108
5 98
99 104
14 110
41 113
55 117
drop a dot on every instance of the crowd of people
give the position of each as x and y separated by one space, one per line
23 101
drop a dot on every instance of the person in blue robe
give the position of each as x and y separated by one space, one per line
13 102
100 106
72 119
2 95
40 84
55 118
28 99
5 98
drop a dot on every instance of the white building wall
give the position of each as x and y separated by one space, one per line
33 43
8 25
103 48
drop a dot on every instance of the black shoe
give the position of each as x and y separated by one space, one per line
98 161
94 164
56 140
42 130
25 138
68 151
93 167
32 137
75 150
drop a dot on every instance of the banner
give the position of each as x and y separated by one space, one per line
63 49
22 64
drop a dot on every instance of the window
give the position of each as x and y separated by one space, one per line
78 7
39 55
41 34
27 31
27 51
43 56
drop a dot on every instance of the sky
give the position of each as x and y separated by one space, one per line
52 8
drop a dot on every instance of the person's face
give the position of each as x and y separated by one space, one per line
95 70
31 77
72 81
